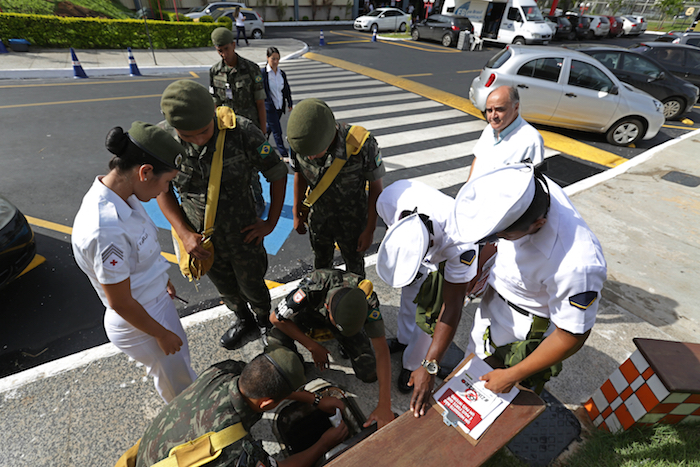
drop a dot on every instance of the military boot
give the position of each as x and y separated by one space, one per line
234 337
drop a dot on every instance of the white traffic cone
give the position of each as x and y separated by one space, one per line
133 68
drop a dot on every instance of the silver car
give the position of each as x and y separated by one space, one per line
383 19
569 89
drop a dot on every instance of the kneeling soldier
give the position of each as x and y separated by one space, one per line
345 304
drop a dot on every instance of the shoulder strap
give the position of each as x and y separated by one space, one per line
354 140
226 119
203 449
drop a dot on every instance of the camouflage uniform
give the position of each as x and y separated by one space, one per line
307 311
213 402
246 86
340 214
239 268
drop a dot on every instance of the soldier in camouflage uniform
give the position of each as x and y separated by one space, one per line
346 213
343 303
240 260
232 392
237 83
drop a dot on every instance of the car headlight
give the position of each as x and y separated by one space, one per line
536 36
659 106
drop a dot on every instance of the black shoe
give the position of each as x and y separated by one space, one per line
234 337
395 345
402 382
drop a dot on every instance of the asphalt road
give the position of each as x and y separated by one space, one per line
52 146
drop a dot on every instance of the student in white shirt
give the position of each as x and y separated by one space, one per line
240 25
115 244
279 97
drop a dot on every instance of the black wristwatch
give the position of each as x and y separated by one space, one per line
317 400
431 366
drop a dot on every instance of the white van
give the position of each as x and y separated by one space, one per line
506 21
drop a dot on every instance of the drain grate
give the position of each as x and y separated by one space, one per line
682 179
544 439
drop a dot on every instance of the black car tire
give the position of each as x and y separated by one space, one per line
625 132
402 28
415 35
673 107
571 36
257 34
374 28
447 40
519 41
589 35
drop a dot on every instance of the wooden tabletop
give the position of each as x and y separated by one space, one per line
427 441
677 364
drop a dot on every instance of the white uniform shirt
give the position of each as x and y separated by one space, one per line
557 272
114 240
276 83
406 195
518 142
240 20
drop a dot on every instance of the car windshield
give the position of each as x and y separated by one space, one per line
196 9
532 13
374 13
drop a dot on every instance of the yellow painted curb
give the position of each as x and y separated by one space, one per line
36 261
552 140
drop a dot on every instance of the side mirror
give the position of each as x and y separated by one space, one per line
614 91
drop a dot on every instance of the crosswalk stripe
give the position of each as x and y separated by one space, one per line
370 112
345 92
356 85
413 136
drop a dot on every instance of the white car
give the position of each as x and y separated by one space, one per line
383 19
254 24
566 88
205 10
630 26
642 23
600 25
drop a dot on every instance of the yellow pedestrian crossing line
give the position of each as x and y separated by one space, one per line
679 127
470 71
552 140
79 101
417 74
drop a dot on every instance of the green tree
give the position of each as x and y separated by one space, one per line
615 6
669 7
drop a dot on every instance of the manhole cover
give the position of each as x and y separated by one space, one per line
682 179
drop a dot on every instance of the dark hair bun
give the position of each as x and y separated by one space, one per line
116 141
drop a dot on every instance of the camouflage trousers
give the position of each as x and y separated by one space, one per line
326 231
238 273
358 347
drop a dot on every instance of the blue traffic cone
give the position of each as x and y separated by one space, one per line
78 71
133 68
3 49
321 40
374 36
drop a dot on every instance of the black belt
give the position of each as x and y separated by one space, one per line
514 306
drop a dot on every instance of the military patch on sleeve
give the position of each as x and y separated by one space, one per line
299 296
374 315
583 300
258 78
112 257
468 257
264 149
378 159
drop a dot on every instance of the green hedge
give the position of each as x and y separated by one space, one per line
97 33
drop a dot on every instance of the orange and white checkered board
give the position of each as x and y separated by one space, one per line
634 395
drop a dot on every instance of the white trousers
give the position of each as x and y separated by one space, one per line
171 373
409 333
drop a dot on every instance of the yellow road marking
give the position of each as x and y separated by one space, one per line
83 83
171 258
194 74
36 261
687 121
80 101
679 127
347 42
551 140
469 71
418 74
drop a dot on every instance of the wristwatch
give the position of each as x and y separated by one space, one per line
431 366
317 400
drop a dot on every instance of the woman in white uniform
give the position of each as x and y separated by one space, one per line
115 244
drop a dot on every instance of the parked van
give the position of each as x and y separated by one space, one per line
506 21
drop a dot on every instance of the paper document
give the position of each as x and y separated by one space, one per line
464 401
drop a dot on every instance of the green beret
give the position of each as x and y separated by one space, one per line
349 311
288 365
187 105
311 127
157 142
221 36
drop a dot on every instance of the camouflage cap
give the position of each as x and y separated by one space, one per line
187 105
311 127
349 310
221 36
288 365
156 142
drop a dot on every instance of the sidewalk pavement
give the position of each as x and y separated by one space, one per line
57 63
87 409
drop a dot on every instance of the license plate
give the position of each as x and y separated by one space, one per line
545 42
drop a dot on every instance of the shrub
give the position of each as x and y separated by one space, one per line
336 18
225 21
31 7
305 18
98 33
206 19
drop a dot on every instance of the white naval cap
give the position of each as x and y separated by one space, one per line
493 201
402 250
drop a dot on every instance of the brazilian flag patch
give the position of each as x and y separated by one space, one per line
583 300
468 257
378 159
374 315
264 149
258 79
